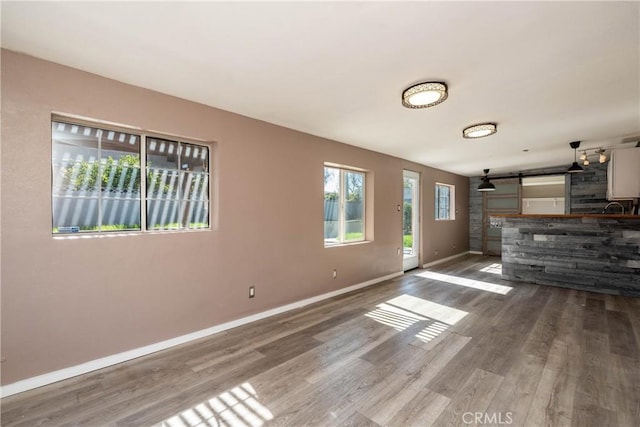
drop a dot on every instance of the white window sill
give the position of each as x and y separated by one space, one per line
339 245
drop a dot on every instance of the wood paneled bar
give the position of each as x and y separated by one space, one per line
599 253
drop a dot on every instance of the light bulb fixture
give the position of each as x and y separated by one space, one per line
600 152
423 95
575 167
603 157
486 185
480 130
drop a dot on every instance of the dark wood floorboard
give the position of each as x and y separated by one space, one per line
423 349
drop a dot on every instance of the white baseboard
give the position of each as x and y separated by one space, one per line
63 374
449 258
475 252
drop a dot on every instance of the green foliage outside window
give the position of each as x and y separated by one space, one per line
86 175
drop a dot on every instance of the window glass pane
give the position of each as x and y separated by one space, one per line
354 206
177 185
443 200
494 246
344 206
331 205
503 203
194 157
162 153
195 201
494 232
96 179
162 214
506 189
162 183
121 214
120 172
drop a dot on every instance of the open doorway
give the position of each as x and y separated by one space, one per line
410 220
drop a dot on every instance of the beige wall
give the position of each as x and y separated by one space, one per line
69 301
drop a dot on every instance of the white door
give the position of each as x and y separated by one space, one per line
410 220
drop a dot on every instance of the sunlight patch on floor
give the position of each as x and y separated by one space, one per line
469 283
429 309
495 268
236 407
406 310
432 331
395 317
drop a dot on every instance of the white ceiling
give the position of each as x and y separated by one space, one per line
547 72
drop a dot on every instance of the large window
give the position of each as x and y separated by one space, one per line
97 183
344 206
445 202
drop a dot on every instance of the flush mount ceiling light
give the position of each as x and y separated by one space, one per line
423 95
480 130
575 167
486 185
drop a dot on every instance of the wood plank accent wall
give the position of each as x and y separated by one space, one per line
600 254
588 192
475 215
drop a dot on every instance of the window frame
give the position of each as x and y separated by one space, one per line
451 200
342 195
143 170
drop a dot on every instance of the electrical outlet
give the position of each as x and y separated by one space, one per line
252 291
436 252
398 251
335 273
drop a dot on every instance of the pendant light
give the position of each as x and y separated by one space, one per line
486 185
575 167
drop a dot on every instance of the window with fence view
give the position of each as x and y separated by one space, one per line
344 206
97 181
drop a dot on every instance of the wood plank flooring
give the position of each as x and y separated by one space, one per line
446 349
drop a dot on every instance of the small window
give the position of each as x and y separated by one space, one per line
98 185
344 206
445 202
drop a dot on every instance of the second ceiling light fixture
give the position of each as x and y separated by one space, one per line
480 130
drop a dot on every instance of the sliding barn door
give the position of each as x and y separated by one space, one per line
505 200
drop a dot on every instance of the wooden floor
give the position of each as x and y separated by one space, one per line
453 345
